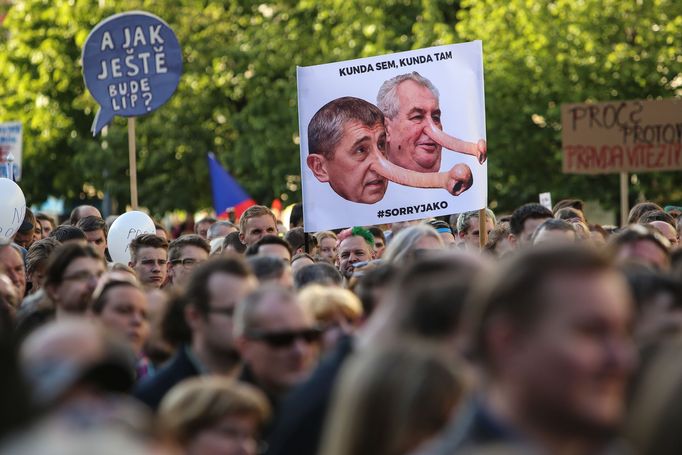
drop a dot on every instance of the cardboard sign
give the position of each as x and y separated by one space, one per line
393 138
10 147
132 64
622 136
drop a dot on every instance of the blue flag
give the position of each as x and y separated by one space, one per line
226 191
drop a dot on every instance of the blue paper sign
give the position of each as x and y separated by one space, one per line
132 64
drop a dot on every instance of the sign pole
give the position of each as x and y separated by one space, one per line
482 231
132 155
624 207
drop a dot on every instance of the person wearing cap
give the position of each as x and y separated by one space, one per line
444 231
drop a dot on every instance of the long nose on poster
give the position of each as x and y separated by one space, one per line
124 229
12 208
132 64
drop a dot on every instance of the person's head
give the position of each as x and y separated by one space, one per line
390 400
300 261
569 214
36 261
213 291
525 220
81 212
28 231
445 232
68 233
468 227
345 138
276 338
337 311
95 230
215 415
120 304
410 104
161 231
270 245
12 262
71 276
201 228
379 241
321 273
554 231
220 229
271 269
552 327
657 215
598 234
371 286
640 209
498 241
46 222
149 258
354 245
296 238
256 222
667 230
326 241
412 242
232 244
639 243
184 254
576 204
296 217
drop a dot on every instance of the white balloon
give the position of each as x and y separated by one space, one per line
124 229
12 207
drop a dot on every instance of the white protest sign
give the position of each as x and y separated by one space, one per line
430 160
123 230
10 149
546 200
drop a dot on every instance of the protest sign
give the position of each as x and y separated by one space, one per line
546 200
12 208
429 161
10 150
622 136
132 64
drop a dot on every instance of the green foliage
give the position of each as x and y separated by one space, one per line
237 96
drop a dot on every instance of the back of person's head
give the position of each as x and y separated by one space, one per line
390 400
528 211
325 303
576 204
199 404
405 245
175 247
296 238
218 229
569 214
38 254
319 273
553 225
146 241
497 236
82 211
92 223
232 243
296 218
657 215
66 232
623 246
254 249
640 209
370 286
267 268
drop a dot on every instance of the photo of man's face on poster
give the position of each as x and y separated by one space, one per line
346 137
411 107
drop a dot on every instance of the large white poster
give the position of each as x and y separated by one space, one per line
393 138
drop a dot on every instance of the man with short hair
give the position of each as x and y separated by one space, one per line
95 229
354 245
81 212
256 222
46 222
220 229
277 340
379 241
201 228
184 254
296 238
469 230
271 269
67 233
271 245
554 231
643 244
212 293
551 334
149 257
524 221
12 261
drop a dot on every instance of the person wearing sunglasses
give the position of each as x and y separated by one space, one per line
184 254
277 339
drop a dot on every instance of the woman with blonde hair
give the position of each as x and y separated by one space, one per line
212 415
391 400
337 311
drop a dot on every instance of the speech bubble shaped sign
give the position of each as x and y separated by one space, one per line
132 64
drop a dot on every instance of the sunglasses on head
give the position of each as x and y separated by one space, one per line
285 339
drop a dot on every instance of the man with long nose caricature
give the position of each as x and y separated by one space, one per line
347 149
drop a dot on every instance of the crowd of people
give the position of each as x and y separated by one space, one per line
558 336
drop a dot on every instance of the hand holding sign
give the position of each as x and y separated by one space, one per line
479 150
12 208
124 229
131 65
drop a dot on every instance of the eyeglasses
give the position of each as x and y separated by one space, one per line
285 339
83 275
186 263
